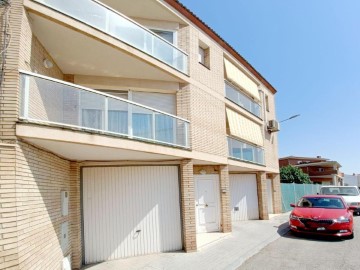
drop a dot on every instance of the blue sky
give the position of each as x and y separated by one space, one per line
310 52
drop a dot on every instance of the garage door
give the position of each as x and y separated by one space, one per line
130 211
244 199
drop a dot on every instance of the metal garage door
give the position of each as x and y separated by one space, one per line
129 211
244 198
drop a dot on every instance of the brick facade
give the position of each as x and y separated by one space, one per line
262 195
225 199
187 188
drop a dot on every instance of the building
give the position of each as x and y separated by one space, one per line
127 127
320 170
352 180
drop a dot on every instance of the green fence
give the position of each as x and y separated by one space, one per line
291 193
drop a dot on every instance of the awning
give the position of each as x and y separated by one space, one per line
237 77
244 128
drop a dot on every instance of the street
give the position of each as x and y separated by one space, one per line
307 252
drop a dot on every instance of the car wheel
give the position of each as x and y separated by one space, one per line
351 236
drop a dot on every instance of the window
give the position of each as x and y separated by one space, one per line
267 103
321 169
167 35
204 54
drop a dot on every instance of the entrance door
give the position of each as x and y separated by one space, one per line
207 203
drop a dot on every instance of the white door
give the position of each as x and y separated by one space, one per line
207 203
270 196
244 198
129 211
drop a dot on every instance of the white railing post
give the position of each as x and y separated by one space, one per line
130 118
106 114
186 130
153 126
26 96
174 131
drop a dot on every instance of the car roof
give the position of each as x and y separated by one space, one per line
322 196
338 186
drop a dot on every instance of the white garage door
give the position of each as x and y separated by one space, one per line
244 199
130 211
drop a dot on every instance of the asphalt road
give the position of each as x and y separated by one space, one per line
310 253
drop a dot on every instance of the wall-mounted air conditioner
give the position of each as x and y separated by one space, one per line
273 126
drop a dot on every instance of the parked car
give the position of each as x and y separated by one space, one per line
350 193
323 215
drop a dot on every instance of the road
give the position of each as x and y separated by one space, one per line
290 252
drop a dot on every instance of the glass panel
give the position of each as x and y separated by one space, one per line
54 102
117 116
246 152
141 122
164 128
242 100
122 28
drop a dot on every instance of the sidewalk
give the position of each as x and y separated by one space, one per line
229 252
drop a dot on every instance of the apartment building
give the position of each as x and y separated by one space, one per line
127 128
320 170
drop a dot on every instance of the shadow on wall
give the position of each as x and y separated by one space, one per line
43 177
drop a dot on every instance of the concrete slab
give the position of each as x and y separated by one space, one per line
247 238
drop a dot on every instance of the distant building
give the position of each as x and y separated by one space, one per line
321 170
352 180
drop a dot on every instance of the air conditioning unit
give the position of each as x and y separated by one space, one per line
273 126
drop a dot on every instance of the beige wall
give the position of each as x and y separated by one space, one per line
41 178
271 139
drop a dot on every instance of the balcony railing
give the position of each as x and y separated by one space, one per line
245 152
242 100
115 24
50 101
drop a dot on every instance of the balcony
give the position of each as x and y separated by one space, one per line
48 101
245 152
242 100
115 24
322 173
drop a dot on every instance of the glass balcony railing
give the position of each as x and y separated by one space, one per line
242 100
50 101
115 24
245 152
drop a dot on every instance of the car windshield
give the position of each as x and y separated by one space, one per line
344 191
321 202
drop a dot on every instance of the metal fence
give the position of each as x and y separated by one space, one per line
291 193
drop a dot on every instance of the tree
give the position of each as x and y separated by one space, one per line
291 174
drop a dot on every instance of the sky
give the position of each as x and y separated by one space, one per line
310 52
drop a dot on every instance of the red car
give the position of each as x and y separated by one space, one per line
323 215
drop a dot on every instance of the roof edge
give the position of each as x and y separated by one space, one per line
210 32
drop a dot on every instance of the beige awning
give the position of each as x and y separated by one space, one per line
244 128
236 76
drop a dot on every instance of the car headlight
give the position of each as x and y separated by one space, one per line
342 220
293 217
355 204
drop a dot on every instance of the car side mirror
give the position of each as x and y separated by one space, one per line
292 205
353 208
317 193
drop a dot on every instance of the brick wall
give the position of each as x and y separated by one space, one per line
41 176
262 195
75 215
187 189
208 125
8 204
276 187
225 199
